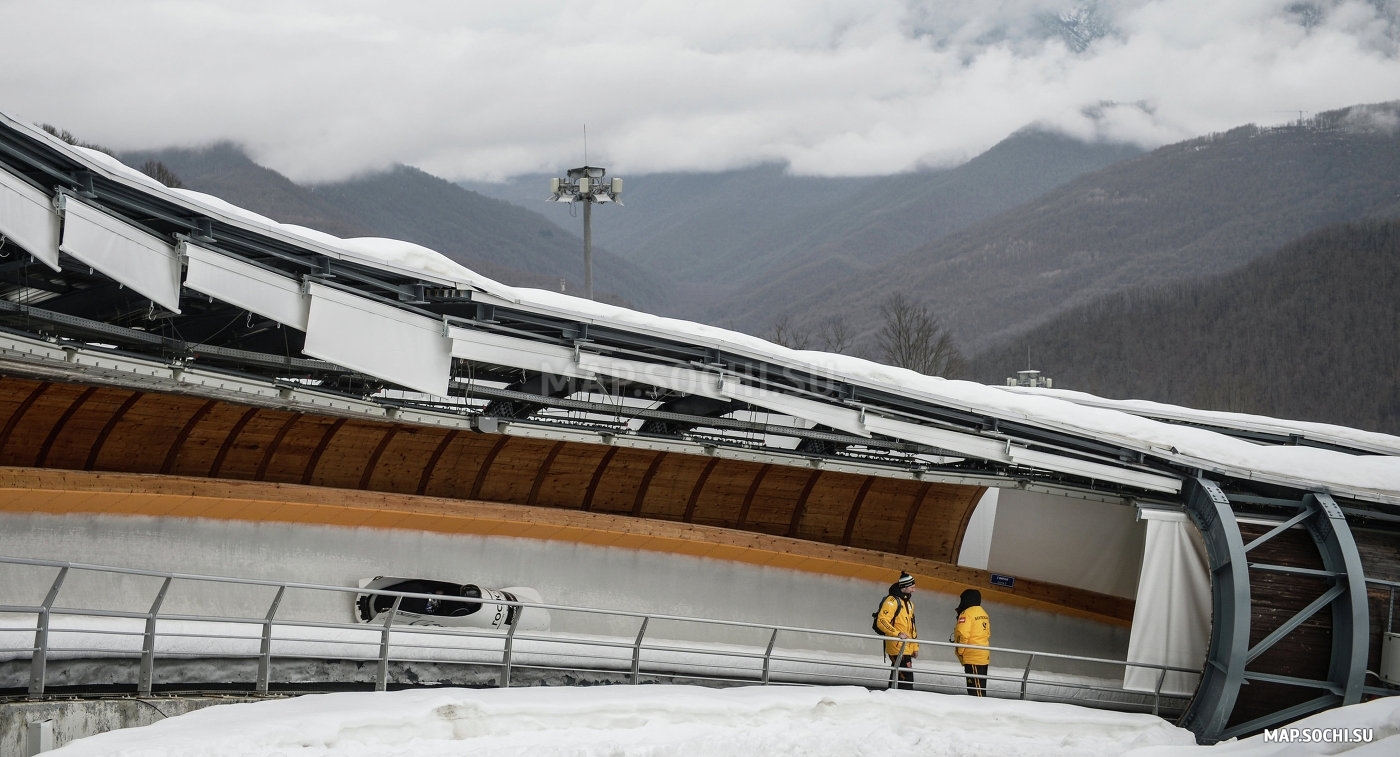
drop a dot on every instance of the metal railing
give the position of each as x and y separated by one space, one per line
141 638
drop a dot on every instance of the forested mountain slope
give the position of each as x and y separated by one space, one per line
1201 206
1311 332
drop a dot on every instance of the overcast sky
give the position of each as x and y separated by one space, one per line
322 89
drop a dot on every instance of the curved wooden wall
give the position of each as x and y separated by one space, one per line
106 428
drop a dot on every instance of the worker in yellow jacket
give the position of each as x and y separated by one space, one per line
896 620
974 627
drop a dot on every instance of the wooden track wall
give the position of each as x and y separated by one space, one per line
1277 597
103 428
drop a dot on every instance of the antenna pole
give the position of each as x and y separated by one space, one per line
588 249
587 230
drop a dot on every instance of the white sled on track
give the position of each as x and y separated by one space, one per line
453 605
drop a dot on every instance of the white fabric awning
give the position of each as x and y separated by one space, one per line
140 260
27 218
378 339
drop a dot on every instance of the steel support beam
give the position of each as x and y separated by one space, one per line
1345 594
1351 616
1210 709
1229 654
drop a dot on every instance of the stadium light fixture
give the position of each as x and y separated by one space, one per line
585 184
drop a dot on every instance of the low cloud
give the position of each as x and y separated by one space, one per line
327 89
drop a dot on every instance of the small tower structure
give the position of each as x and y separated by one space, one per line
1030 377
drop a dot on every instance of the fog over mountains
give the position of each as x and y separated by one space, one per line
1007 243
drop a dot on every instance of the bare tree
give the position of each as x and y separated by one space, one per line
835 333
72 139
152 168
161 173
913 338
789 335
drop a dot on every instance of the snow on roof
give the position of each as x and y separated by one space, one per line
416 257
226 208
1327 468
1381 443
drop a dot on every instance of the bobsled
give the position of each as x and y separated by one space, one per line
451 605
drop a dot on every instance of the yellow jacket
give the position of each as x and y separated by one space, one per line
894 623
974 627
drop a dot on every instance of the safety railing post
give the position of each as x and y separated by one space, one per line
1026 674
148 642
894 672
637 651
265 651
506 657
39 662
381 676
1157 691
768 656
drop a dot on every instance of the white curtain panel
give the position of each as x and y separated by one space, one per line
28 220
140 260
1171 623
247 286
379 339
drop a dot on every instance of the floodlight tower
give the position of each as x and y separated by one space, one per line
585 184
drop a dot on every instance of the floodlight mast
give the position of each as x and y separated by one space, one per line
584 184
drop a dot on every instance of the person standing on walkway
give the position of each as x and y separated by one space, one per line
896 620
974 627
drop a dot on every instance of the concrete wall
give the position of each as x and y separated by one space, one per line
76 719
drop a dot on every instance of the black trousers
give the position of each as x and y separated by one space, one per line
903 673
976 687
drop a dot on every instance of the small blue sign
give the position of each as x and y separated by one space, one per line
1000 580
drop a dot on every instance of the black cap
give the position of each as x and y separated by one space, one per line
969 598
905 581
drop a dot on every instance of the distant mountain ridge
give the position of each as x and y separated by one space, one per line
1197 207
710 232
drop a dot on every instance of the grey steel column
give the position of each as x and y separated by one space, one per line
1223 675
1351 612
588 247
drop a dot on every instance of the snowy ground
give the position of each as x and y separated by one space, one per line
617 721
